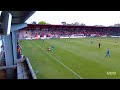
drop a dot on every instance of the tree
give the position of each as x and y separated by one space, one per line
63 23
33 22
82 24
76 23
42 22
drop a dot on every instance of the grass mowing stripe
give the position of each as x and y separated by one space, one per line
59 61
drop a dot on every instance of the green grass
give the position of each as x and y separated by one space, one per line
83 58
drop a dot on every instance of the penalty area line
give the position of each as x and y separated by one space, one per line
58 61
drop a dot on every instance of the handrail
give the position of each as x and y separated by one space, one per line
7 67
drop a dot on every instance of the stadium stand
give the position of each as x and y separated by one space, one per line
57 31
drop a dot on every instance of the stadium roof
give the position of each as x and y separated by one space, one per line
19 16
62 26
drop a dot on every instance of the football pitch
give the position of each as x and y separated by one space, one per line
73 58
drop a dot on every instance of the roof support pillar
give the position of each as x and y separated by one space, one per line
8 49
14 43
14 30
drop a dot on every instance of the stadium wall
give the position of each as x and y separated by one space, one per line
74 37
116 36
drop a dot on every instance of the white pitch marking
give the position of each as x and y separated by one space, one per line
59 61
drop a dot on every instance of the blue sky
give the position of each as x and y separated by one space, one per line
106 18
